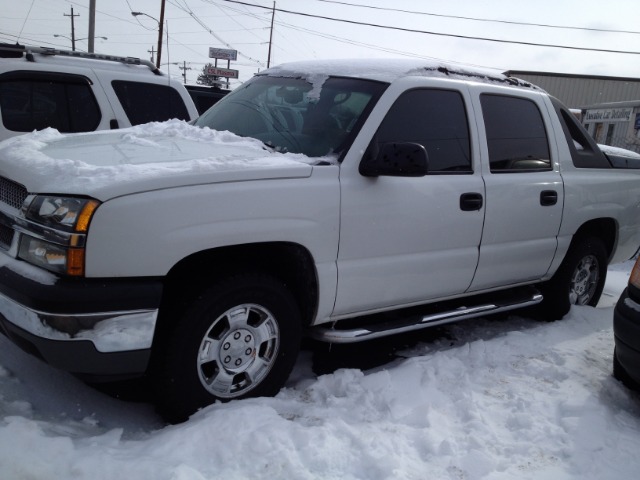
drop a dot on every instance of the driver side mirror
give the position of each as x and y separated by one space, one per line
395 160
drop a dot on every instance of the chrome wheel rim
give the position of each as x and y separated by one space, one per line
584 281
238 350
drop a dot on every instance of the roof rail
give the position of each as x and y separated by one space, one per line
18 50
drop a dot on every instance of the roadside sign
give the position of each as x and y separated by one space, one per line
223 53
222 72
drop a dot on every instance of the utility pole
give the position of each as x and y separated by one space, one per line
152 51
160 33
273 14
73 29
184 69
92 24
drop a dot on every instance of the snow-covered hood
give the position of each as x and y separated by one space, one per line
170 154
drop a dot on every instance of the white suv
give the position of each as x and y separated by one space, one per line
80 92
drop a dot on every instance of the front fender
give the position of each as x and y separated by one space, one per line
147 233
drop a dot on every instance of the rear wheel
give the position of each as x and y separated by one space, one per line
239 339
579 280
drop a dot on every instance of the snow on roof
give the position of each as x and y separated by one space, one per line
388 70
56 56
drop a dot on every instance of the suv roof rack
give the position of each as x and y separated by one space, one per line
16 51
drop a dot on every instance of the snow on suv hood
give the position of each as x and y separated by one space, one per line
104 165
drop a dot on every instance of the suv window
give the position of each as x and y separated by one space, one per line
33 102
584 151
437 120
147 102
516 136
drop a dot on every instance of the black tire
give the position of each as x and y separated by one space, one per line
239 339
578 281
620 374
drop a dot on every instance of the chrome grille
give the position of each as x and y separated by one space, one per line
12 193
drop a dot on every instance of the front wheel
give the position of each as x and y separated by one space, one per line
240 338
578 281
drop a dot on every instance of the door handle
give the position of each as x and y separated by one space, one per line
548 198
470 202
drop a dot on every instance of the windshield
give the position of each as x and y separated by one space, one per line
285 114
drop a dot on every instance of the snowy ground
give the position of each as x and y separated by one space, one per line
487 399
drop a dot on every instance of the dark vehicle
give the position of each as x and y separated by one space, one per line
626 329
205 97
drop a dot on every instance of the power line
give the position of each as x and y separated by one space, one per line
457 17
319 34
114 17
238 23
25 19
355 42
440 34
15 38
245 12
188 10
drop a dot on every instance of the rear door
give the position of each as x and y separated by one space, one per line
136 101
34 99
524 189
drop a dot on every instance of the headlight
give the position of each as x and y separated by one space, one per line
55 235
50 256
66 213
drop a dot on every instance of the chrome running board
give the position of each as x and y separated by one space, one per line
336 333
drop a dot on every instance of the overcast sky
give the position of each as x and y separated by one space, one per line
298 33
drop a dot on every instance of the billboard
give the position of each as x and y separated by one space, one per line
608 115
222 72
223 53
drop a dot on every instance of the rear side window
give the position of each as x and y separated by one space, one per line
148 102
437 120
584 150
516 136
65 103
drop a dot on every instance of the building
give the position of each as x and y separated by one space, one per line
578 91
615 123
610 106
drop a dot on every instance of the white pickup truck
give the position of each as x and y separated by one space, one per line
306 202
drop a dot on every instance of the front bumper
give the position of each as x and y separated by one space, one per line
626 330
91 327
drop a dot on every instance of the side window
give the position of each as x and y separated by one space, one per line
148 102
437 120
29 104
584 151
516 136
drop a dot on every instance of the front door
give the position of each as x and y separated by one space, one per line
407 240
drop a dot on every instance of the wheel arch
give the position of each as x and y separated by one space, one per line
605 229
575 282
290 263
